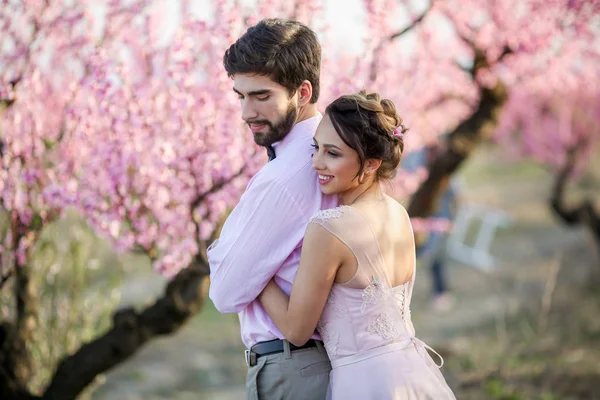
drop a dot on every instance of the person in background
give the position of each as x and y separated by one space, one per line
431 249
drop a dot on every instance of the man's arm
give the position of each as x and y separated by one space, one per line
297 316
259 234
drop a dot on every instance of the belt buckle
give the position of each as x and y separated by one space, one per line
250 358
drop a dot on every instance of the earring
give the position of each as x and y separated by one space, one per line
361 179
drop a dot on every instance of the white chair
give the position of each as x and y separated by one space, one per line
475 254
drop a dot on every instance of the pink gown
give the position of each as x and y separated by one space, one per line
366 325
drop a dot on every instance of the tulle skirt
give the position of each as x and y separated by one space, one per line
399 371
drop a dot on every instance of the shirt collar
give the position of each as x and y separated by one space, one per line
299 130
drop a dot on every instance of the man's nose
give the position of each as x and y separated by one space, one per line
248 111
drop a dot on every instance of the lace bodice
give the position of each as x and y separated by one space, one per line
365 312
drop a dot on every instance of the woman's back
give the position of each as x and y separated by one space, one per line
372 308
392 230
366 325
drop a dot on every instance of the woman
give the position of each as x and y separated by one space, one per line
357 268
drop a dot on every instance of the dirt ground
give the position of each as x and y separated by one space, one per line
526 330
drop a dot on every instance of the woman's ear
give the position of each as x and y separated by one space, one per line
372 165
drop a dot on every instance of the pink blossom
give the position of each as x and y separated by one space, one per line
136 132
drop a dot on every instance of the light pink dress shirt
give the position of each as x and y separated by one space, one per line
262 236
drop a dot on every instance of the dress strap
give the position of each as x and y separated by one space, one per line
421 345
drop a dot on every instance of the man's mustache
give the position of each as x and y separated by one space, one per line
259 122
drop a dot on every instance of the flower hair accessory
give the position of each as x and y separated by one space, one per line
398 132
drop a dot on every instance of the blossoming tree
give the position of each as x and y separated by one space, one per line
142 135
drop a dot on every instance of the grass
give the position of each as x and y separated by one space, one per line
528 363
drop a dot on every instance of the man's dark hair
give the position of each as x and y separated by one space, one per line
286 51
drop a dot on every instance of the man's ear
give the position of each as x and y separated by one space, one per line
304 93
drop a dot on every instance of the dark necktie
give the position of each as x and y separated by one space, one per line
270 152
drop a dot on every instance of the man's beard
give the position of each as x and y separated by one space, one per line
277 132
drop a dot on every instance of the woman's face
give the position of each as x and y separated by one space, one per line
336 163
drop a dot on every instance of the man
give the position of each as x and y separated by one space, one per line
275 68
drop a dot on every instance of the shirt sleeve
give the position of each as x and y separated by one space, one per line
258 236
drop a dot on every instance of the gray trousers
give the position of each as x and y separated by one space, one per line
299 375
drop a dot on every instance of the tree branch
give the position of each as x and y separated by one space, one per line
215 188
465 136
393 36
460 144
201 258
183 298
411 26
5 279
5 103
480 60
444 98
34 35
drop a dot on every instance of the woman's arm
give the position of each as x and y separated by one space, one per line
297 316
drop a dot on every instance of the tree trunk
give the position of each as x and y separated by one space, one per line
12 353
461 143
183 298
15 360
582 214
26 321
463 139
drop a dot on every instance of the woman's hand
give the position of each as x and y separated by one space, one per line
296 316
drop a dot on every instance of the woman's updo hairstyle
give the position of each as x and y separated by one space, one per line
372 127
